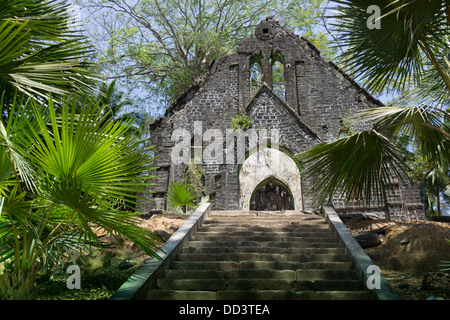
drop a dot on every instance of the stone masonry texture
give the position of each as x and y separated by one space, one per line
317 95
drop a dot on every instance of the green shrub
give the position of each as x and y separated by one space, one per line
181 196
241 122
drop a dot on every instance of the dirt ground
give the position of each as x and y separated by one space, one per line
409 252
162 224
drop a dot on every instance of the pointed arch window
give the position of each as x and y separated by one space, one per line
273 65
255 72
278 82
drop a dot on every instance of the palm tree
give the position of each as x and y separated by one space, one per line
112 100
181 196
61 173
39 52
60 178
409 53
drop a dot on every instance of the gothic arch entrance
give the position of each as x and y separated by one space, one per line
267 166
271 195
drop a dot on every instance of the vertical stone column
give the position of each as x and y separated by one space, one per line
266 67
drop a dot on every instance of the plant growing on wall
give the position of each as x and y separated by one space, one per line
194 177
346 124
242 122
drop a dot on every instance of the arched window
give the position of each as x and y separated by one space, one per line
255 72
278 85
273 65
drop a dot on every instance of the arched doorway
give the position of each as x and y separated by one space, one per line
264 164
271 195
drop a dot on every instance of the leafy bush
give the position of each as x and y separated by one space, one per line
241 122
63 175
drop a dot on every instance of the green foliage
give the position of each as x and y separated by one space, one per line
347 124
446 264
433 187
352 166
408 54
241 122
194 175
181 196
39 53
74 170
189 192
409 51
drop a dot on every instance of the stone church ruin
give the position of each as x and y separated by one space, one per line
288 116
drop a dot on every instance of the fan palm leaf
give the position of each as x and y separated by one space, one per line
81 167
412 37
39 54
426 126
181 195
358 166
87 166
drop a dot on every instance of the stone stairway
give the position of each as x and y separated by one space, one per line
260 256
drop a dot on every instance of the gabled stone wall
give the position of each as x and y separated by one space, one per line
317 97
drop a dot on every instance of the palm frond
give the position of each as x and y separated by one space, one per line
180 195
39 54
394 57
88 166
360 165
428 128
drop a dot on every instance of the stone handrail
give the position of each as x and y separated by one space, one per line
362 261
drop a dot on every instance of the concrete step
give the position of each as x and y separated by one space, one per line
257 295
274 237
272 227
265 215
254 243
273 265
266 224
261 249
207 257
300 274
259 284
232 274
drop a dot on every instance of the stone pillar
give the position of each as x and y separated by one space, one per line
266 67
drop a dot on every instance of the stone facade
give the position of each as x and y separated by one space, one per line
316 96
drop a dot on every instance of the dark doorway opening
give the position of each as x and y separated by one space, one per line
271 195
